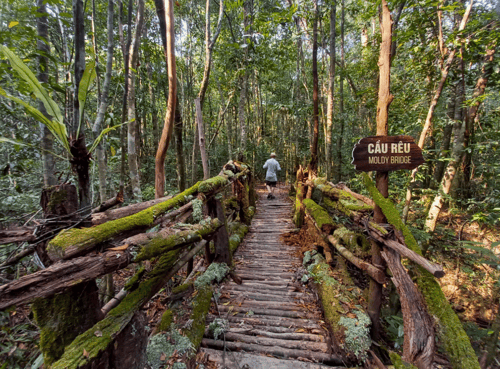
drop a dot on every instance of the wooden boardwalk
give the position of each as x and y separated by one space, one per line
274 321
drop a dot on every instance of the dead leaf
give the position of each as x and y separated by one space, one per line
120 248
85 353
98 333
163 356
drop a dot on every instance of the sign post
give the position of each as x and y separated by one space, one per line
386 153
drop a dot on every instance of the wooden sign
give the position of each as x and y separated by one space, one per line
386 153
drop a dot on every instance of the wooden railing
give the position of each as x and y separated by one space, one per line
168 233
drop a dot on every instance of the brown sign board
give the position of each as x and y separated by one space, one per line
386 153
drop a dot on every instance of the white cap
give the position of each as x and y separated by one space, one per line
273 154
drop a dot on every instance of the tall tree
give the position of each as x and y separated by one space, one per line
172 96
430 114
340 137
449 179
331 90
313 164
81 158
101 157
43 76
132 139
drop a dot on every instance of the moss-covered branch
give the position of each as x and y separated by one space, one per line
237 231
159 245
73 242
451 333
323 220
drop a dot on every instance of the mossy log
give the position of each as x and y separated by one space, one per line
346 198
61 276
73 242
374 272
298 217
118 318
62 317
108 215
323 220
450 331
237 231
159 245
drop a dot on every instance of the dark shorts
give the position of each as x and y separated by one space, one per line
271 184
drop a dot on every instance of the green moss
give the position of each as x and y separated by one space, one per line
86 238
232 203
355 204
319 214
298 217
450 331
201 305
237 231
117 319
399 363
133 282
182 288
212 184
354 241
166 320
57 197
159 245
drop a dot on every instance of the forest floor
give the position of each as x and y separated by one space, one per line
469 284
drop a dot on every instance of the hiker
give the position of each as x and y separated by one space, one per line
272 167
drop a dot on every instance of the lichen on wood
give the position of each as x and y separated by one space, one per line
72 242
450 331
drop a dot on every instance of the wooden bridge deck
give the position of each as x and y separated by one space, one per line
274 321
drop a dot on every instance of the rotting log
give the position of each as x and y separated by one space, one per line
450 330
108 204
343 187
344 197
419 341
108 215
159 245
61 276
18 234
374 272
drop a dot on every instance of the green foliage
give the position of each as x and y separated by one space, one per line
395 329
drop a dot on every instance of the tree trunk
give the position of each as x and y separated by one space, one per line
331 90
179 150
81 158
340 137
131 113
313 164
458 146
432 108
172 97
201 133
101 159
43 76
382 178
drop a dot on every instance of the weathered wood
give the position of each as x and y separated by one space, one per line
435 269
374 272
293 343
108 204
60 276
108 215
386 153
18 234
356 195
275 350
419 341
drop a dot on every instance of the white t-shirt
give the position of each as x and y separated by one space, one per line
272 167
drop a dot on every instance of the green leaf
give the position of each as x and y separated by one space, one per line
13 24
27 75
88 78
17 143
101 135
56 128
